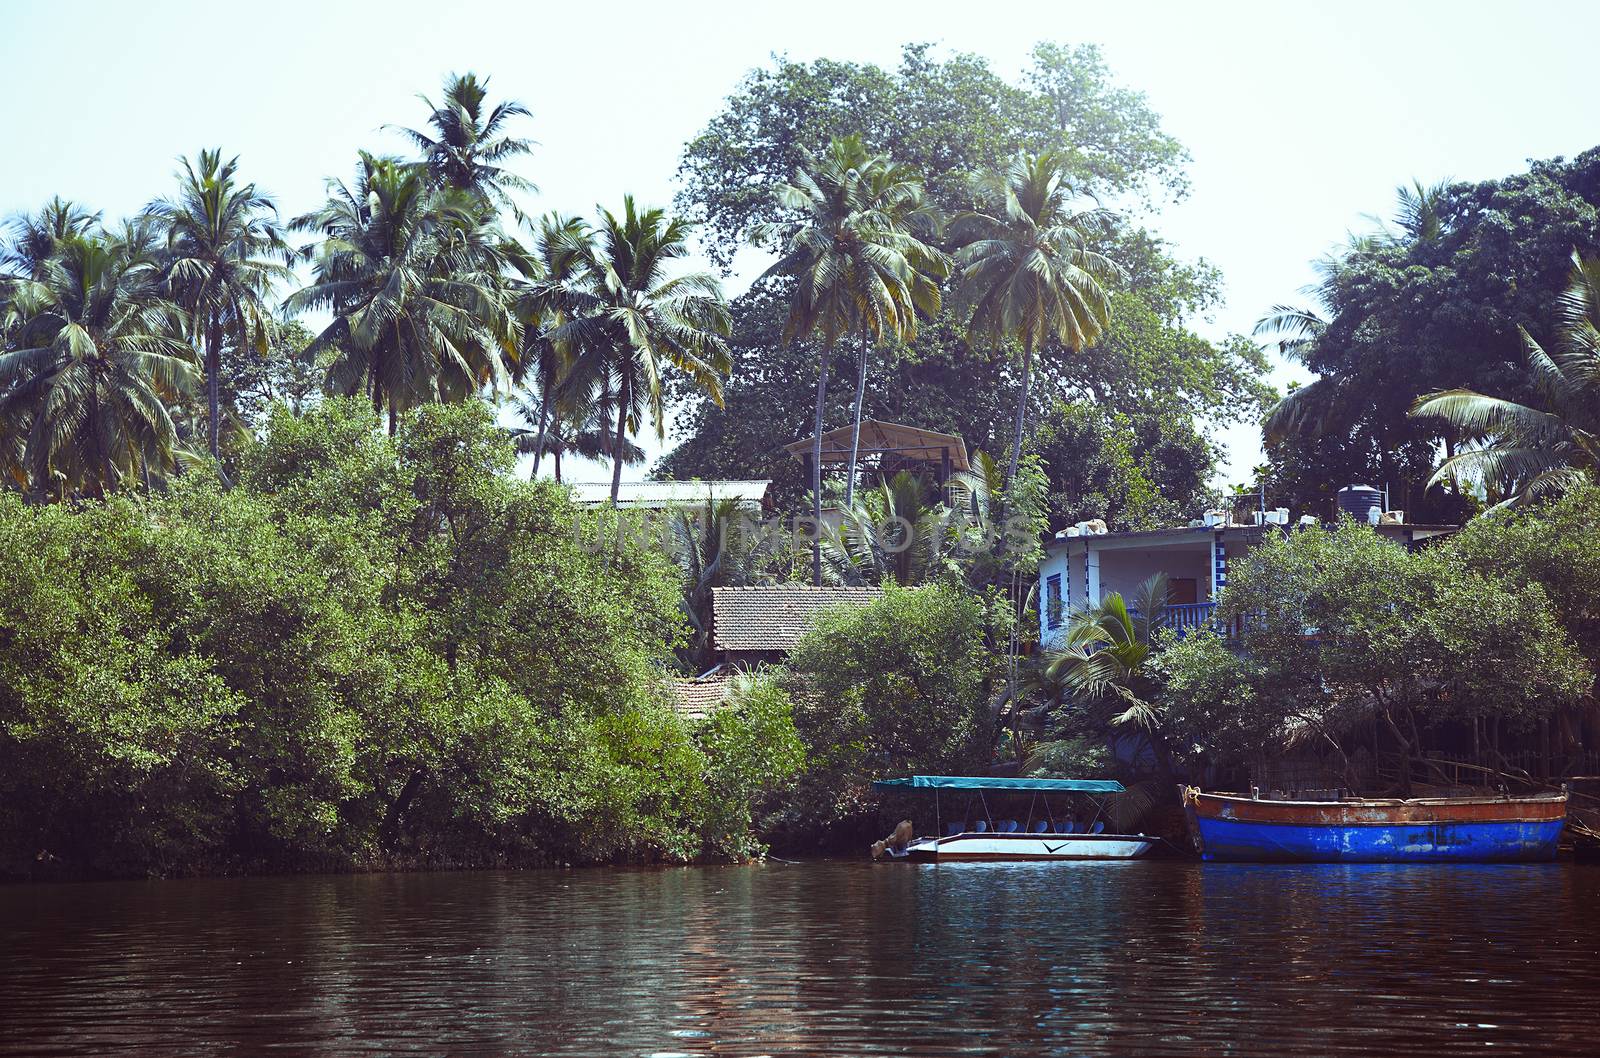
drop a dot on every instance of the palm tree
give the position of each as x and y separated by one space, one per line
640 321
94 354
858 266
541 295
1535 451
899 532
715 546
1309 409
1103 659
226 252
1028 268
468 148
413 279
580 429
33 239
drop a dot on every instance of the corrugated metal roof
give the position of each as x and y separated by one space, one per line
912 442
773 618
670 493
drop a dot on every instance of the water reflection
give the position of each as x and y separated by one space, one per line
1090 959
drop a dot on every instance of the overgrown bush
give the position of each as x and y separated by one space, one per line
372 650
900 686
1343 627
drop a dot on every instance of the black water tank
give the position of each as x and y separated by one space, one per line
1361 502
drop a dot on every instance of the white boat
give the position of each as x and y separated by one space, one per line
1046 833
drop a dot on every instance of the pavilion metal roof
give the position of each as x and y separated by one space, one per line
911 443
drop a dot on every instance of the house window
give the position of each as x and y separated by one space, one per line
1052 601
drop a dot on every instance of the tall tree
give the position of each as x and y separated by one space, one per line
541 303
643 320
1530 451
94 355
1433 305
1029 269
858 266
226 253
412 276
32 239
577 425
469 147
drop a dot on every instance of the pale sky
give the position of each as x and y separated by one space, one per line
1300 118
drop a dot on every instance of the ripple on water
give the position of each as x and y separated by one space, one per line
836 958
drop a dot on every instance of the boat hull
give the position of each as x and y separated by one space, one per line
961 848
1437 830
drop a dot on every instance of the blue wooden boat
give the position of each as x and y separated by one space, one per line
1500 829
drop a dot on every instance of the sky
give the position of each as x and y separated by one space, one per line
1301 119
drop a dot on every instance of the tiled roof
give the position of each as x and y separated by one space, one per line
695 697
655 494
775 617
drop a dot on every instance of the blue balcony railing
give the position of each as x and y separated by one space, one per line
1183 616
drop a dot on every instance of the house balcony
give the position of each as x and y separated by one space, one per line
1183 617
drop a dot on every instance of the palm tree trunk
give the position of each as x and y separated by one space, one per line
544 419
556 460
816 469
1022 416
213 398
622 440
855 431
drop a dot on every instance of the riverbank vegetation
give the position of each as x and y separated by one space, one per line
279 596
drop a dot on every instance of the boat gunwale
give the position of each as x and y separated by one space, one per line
1383 802
1020 835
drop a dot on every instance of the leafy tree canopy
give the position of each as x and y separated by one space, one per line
1435 307
949 119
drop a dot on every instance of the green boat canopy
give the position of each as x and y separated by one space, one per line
991 782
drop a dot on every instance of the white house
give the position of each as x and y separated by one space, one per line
1083 568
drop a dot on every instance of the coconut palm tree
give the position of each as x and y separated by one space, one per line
225 254
412 277
859 266
861 260
1028 268
32 240
641 321
540 293
95 353
1102 660
898 532
581 428
1534 451
468 148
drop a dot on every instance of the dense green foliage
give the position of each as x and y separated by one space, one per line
951 120
371 650
1342 627
903 685
1434 306
1524 451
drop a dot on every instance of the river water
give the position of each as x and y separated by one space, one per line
814 959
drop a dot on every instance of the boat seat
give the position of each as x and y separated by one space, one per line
980 827
952 829
1098 828
1007 826
1041 827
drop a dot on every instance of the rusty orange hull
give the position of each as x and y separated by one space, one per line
1424 830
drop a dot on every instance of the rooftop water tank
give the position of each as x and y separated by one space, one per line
1362 503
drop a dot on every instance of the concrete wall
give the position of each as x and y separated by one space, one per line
1124 569
1055 563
